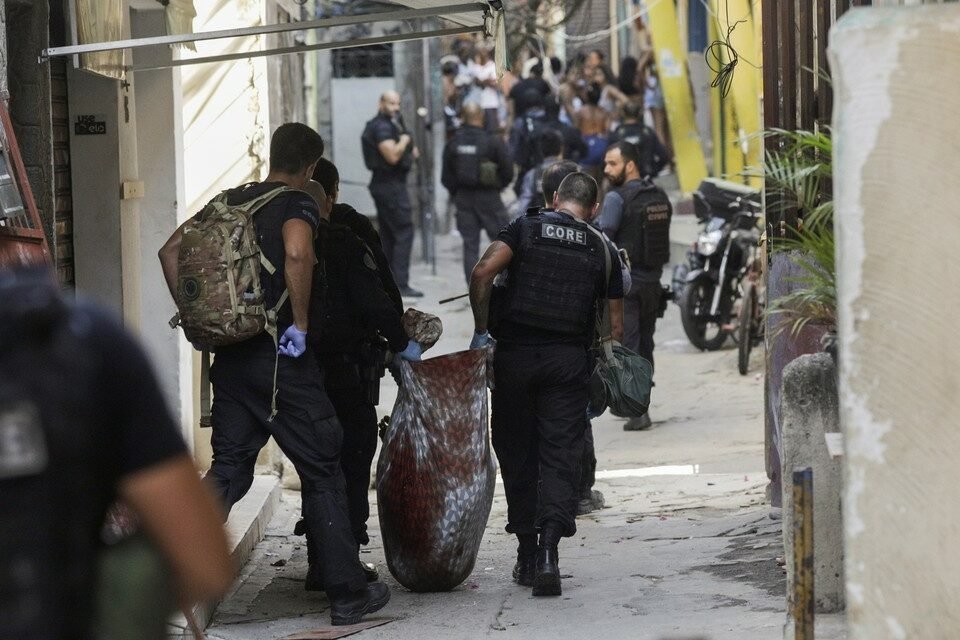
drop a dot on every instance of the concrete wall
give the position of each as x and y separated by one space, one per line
896 188
159 135
809 407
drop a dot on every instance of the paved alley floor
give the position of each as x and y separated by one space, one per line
684 549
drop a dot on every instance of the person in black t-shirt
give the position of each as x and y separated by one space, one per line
82 423
247 374
349 311
530 92
653 155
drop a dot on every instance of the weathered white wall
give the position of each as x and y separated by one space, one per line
225 106
160 141
897 160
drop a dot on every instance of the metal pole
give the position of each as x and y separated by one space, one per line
314 47
803 587
425 112
388 16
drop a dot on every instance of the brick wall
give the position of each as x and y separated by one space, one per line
3 53
30 101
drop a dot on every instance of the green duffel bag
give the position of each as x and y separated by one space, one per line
626 378
135 593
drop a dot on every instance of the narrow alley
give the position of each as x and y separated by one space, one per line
684 547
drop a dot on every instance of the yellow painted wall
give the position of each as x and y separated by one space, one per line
671 58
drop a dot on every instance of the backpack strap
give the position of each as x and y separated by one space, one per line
603 319
205 400
253 206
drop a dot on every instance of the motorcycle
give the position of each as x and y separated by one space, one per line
708 285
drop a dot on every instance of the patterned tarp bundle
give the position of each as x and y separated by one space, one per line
436 474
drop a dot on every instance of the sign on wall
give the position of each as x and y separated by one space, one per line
90 125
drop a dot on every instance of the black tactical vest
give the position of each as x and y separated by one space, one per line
645 227
48 510
556 275
469 150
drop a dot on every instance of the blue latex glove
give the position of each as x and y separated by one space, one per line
481 340
293 342
412 353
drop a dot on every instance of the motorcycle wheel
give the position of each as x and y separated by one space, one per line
695 297
745 328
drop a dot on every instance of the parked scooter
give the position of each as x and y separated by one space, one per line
708 285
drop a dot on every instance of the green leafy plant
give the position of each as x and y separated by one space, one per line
797 175
815 299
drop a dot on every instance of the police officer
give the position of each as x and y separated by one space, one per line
653 155
556 280
389 152
349 310
476 168
636 214
83 421
342 213
246 375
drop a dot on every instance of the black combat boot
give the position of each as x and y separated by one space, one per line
523 571
546 581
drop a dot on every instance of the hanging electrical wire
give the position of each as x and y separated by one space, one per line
721 57
645 7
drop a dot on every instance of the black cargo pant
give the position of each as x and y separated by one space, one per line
641 307
588 464
477 209
538 422
395 219
358 416
306 430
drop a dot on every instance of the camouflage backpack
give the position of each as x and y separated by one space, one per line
219 295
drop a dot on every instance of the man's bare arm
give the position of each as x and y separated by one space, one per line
615 308
181 516
393 150
169 254
495 259
298 268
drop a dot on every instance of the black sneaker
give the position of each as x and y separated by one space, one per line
351 609
410 292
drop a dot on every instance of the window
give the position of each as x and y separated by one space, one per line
375 61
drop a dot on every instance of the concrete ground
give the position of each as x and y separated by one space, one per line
684 549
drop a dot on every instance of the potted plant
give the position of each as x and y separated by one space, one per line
797 177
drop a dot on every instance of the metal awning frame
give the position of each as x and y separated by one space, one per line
487 8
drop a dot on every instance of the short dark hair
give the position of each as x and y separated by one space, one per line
578 188
537 69
556 65
327 175
628 151
632 110
553 176
551 142
293 147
